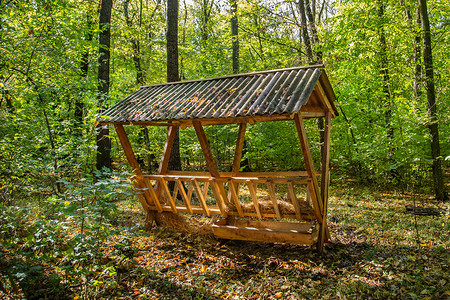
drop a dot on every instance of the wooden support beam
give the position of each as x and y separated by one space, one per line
324 233
219 200
199 193
190 190
187 200
175 189
145 198
153 196
238 151
235 199
252 191
164 163
294 200
206 149
314 200
281 232
205 189
274 198
315 195
165 188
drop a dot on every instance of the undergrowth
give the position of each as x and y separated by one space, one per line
89 242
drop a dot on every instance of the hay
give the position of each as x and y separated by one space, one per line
286 208
190 224
169 220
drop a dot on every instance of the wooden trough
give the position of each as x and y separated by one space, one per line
294 206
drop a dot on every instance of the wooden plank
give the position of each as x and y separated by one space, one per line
199 193
222 191
185 197
324 97
294 200
155 198
214 121
308 196
206 149
316 207
175 190
238 151
145 198
324 234
273 197
218 196
165 188
235 198
264 215
264 235
195 209
190 190
306 227
243 174
308 161
252 191
205 189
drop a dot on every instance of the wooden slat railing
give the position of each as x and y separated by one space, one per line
225 196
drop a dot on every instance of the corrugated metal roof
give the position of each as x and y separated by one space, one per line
274 92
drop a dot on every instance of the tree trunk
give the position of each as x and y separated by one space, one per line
235 36
417 60
318 55
384 71
304 31
438 178
204 21
103 140
313 30
172 71
135 45
84 68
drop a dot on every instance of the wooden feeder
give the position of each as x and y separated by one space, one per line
278 95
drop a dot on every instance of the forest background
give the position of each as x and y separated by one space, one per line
372 51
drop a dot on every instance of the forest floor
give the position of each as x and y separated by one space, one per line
378 250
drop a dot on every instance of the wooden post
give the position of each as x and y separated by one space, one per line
146 198
324 232
315 192
238 150
162 168
187 200
233 192
206 149
315 197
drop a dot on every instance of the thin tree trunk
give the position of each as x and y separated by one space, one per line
135 45
235 36
172 71
304 31
313 30
103 140
384 70
417 60
318 55
84 68
438 179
